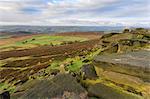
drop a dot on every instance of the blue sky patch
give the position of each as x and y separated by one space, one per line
30 10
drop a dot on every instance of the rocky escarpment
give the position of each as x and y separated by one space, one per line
124 65
127 41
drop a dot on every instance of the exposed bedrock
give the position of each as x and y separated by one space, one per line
129 70
132 63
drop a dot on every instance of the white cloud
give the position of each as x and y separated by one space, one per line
75 12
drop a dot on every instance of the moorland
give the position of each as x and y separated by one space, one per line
76 65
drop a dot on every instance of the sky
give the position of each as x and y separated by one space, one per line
75 12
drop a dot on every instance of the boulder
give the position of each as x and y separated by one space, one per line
57 87
5 95
88 71
126 30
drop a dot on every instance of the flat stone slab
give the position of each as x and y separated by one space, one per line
131 63
138 59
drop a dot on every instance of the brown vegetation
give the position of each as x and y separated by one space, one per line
40 58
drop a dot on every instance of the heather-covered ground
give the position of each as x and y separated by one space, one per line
87 65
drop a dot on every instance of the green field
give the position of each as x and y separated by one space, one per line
55 40
41 40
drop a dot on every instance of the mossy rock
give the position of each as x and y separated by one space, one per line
111 49
105 92
130 70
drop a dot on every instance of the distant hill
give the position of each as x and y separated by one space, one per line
57 29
